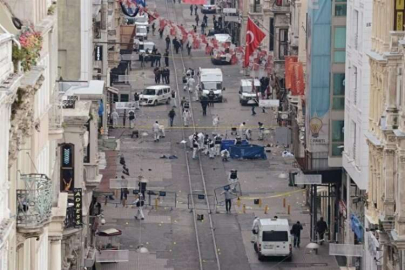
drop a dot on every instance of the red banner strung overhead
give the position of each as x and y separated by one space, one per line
195 2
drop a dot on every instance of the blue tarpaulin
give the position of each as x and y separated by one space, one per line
247 152
225 144
357 227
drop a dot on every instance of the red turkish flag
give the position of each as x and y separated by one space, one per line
253 38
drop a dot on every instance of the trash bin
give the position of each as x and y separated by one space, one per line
291 179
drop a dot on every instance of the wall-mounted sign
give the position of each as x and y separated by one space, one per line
78 200
67 167
98 55
399 15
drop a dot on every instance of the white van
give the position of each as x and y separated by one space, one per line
141 32
249 89
273 238
154 95
210 81
141 18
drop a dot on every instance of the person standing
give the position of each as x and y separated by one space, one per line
195 9
214 19
131 118
188 48
166 55
255 229
195 147
173 93
142 59
158 57
242 129
172 114
218 142
156 71
153 28
161 30
115 116
164 75
261 131
228 198
140 202
211 97
203 28
167 42
321 228
211 145
296 231
191 10
136 99
186 117
204 104
215 122
168 75
124 196
197 19
156 129
205 19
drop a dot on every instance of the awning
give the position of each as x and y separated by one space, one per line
93 89
112 90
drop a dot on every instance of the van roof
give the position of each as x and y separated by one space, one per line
141 26
211 74
158 87
248 82
274 222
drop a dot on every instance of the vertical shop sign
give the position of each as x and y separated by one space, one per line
78 199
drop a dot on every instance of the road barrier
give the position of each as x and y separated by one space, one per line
200 201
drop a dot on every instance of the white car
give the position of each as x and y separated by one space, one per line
209 9
154 95
249 91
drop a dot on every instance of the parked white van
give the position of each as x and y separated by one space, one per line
154 95
141 32
210 81
249 89
273 238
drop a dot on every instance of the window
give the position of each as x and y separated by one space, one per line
356 28
124 97
67 182
399 88
339 54
340 8
275 236
115 97
86 152
338 100
283 43
271 37
354 83
337 137
354 140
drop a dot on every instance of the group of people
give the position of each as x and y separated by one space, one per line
177 44
162 75
207 145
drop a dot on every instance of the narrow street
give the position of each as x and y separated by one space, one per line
168 232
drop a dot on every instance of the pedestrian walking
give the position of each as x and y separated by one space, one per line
156 129
161 30
218 143
172 114
131 118
253 106
195 148
115 116
156 71
124 195
164 76
296 231
167 42
205 19
140 202
255 229
166 55
197 19
189 46
176 45
228 198
321 228
191 10
204 104
195 9
136 99
157 59
181 44
142 183
186 117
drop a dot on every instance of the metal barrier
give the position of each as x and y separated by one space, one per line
129 183
161 198
236 192
107 256
200 201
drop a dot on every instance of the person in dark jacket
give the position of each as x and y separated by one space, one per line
195 9
166 55
191 10
296 231
189 48
176 45
158 56
161 33
167 42
197 18
172 114
204 105
321 228
211 97
205 19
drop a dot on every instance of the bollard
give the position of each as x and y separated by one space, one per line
284 202
238 202
156 203
244 209
266 208
289 209
260 203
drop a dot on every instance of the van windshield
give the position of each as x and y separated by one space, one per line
275 236
149 92
211 85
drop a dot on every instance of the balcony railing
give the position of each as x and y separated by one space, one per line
55 113
256 8
70 217
34 203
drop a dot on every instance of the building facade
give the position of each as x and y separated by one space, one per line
385 199
355 156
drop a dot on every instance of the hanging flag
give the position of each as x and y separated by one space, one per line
253 38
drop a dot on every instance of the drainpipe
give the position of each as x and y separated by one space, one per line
18 45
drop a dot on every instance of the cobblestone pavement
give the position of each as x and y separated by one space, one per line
168 231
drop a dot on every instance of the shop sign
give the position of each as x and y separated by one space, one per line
78 204
98 56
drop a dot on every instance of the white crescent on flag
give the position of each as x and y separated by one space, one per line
252 37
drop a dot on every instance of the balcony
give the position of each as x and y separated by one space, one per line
56 117
34 203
